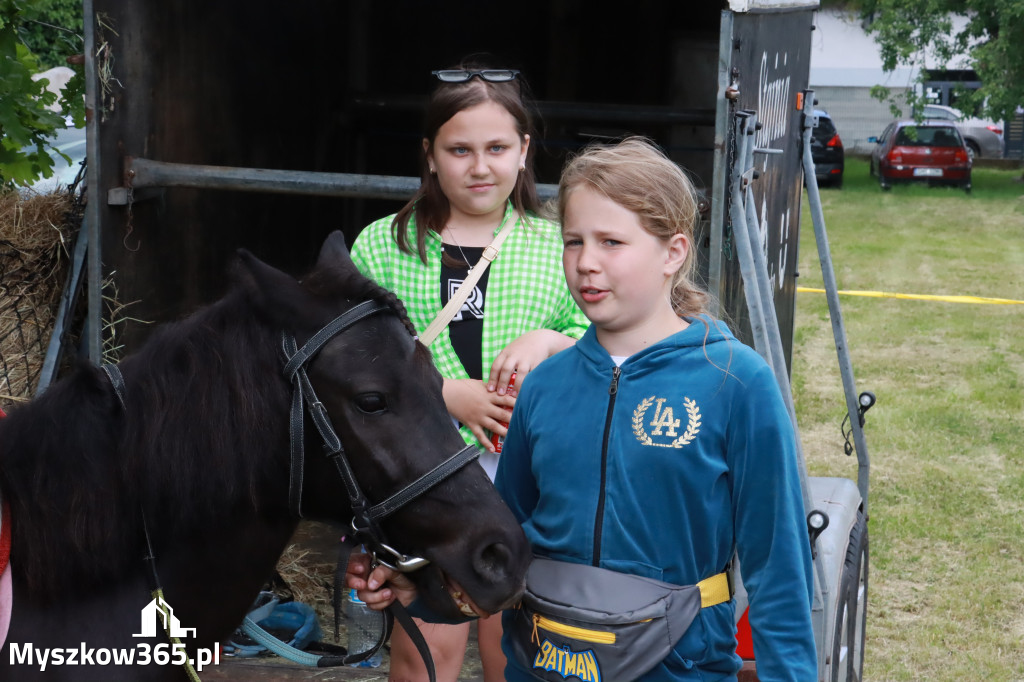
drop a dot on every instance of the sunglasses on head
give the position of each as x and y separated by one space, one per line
463 75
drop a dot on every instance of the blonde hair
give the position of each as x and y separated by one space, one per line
636 175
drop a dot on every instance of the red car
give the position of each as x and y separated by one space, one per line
930 151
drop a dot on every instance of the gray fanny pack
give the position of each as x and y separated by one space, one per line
595 624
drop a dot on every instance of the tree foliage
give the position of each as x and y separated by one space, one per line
52 30
28 120
992 38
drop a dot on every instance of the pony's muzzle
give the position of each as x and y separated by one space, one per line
498 566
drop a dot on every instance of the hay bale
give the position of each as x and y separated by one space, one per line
36 235
307 569
310 579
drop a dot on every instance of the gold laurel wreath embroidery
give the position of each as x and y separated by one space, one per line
638 421
692 427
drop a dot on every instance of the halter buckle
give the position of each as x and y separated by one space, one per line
403 563
396 561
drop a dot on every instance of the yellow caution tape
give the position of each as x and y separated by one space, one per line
921 297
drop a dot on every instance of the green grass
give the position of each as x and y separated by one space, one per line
946 437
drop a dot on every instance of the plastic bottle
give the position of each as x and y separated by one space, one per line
363 629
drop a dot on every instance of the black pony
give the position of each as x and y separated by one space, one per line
198 456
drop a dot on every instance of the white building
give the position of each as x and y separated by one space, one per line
845 64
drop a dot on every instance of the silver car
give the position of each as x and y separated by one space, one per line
984 138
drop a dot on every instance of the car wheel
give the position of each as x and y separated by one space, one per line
973 150
837 182
882 183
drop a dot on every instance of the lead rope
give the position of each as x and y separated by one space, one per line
117 382
161 604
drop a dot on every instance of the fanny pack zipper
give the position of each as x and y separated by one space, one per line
582 634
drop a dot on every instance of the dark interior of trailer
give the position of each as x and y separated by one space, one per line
339 87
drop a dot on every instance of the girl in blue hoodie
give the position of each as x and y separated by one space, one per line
658 445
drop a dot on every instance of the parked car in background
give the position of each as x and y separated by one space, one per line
931 151
71 143
827 151
983 138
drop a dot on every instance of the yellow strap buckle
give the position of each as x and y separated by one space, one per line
714 590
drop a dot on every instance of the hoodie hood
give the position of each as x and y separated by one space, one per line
703 331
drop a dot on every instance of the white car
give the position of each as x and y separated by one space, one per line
70 141
984 138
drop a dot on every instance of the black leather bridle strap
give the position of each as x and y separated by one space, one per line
424 483
317 341
303 394
113 373
365 517
411 629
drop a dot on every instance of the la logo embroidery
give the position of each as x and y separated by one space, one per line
664 423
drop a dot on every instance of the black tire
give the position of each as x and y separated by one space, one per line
851 615
973 150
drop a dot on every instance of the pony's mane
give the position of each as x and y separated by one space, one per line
327 281
204 432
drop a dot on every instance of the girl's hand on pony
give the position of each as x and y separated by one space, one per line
379 587
522 356
469 401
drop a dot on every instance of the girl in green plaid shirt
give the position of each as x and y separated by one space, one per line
476 175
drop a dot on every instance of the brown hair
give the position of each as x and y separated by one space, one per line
636 175
429 204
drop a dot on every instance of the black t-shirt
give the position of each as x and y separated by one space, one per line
467 327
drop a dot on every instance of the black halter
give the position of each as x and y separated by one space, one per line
366 518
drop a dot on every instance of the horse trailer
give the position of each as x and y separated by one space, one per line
229 124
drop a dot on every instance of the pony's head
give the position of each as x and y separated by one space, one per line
383 397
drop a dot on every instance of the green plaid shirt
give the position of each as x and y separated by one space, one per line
526 287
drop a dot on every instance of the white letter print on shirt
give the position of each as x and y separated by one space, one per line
664 423
474 305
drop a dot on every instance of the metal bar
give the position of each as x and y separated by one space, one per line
760 301
743 141
721 170
834 309
65 310
593 112
625 113
93 332
144 173
767 337
767 295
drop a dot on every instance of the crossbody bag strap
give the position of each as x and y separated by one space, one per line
460 296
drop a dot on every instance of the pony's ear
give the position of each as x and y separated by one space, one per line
270 289
334 251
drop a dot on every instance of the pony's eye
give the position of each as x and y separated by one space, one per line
371 403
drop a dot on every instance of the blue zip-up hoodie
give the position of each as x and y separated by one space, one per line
661 467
